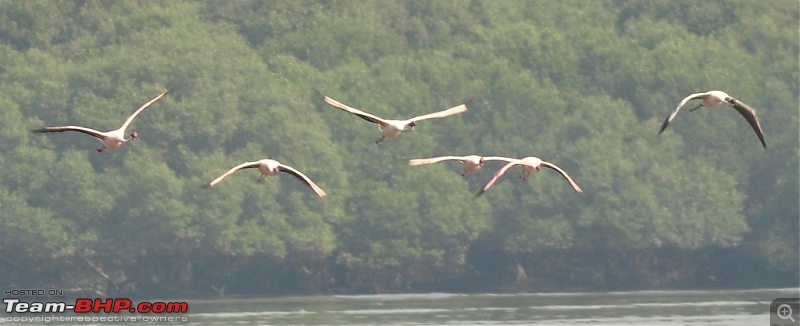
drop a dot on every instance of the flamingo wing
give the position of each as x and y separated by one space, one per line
680 105
361 114
750 115
141 108
88 131
302 177
499 158
246 165
496 176
440 114
563 174
424 161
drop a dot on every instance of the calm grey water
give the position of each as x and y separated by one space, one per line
733 307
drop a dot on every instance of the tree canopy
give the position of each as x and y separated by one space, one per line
584 85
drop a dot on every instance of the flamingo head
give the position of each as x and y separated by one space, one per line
481 161
134 135
410 126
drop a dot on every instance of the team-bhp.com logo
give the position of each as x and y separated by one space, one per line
23 310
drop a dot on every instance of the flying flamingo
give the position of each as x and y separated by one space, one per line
269 167
111 139
393 128
471 163
529 165
714 99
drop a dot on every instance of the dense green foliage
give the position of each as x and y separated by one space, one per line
581 84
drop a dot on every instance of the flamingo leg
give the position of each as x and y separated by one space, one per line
380 140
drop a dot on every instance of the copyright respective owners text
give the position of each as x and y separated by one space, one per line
45 306
784 312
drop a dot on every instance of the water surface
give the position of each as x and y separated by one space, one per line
728 307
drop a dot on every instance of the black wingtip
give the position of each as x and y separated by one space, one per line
174 89
663 127
469 101
318 93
